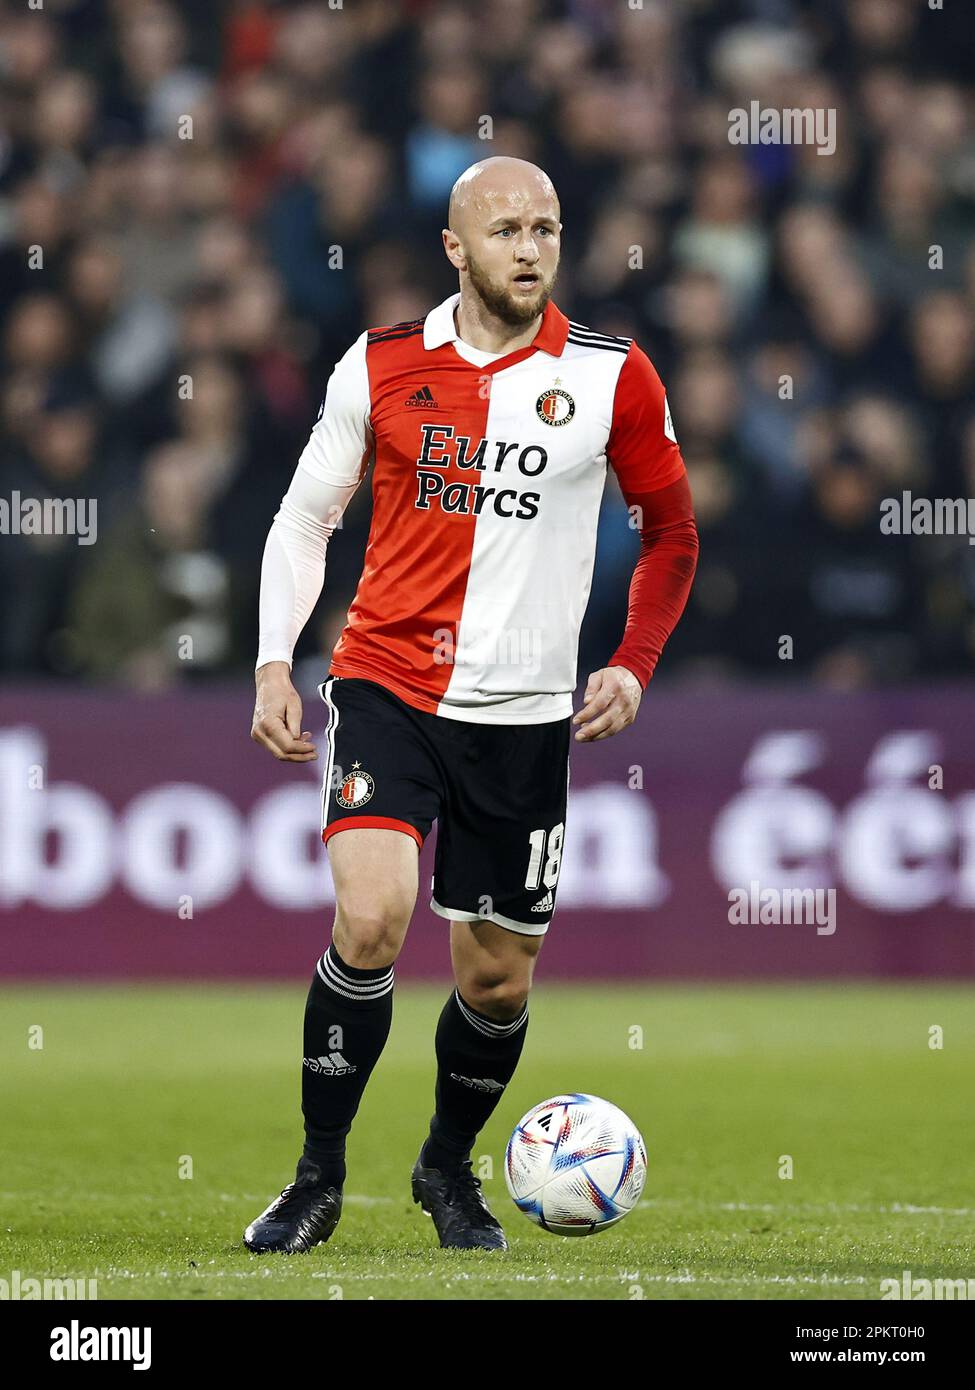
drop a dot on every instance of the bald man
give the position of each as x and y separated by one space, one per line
489 424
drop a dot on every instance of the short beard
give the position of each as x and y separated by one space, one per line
500 302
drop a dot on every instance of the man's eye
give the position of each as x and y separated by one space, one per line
506 231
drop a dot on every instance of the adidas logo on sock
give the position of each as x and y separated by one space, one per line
544 904
424 396
478 1083
332 1065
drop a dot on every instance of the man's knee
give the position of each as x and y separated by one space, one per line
497 993
370 928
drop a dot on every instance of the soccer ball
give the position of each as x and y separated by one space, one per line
575 1164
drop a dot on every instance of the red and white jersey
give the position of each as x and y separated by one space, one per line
488 472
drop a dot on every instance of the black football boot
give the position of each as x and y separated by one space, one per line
454 1199
305 1214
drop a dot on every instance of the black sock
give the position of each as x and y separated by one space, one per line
347 1019
476 1058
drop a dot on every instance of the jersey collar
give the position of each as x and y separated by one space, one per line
438 329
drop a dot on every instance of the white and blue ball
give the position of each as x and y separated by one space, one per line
575 1165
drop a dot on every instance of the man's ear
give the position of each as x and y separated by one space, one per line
453 249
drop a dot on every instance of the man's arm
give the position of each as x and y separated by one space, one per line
292 576
643 452
662 578
293 570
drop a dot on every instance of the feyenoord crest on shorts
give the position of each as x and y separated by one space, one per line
356 789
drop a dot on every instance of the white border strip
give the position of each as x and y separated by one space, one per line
331 729
454 914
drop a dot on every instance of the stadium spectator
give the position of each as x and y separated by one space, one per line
230 194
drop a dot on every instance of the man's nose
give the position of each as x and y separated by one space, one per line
526 250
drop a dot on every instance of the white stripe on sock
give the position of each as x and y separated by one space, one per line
486 1026
336 979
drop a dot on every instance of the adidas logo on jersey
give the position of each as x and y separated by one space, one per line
424 396
478 1083
544 904
332 1065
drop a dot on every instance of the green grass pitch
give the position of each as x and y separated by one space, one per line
130 1082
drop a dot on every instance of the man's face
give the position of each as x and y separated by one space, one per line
511 247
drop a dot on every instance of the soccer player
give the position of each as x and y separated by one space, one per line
489 424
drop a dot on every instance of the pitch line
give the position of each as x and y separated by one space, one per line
498 1276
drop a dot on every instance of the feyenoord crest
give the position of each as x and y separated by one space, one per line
555 407
356 789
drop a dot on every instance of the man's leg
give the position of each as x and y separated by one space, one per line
480 1034
350 1003
499 841
347 1019
479 1040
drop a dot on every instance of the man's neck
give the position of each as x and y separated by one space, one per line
481 329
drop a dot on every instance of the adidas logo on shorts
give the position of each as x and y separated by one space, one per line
544 904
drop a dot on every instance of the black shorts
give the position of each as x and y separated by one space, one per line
496 791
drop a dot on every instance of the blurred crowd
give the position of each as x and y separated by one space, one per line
201 206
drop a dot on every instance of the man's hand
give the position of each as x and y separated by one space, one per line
277 716
610 703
